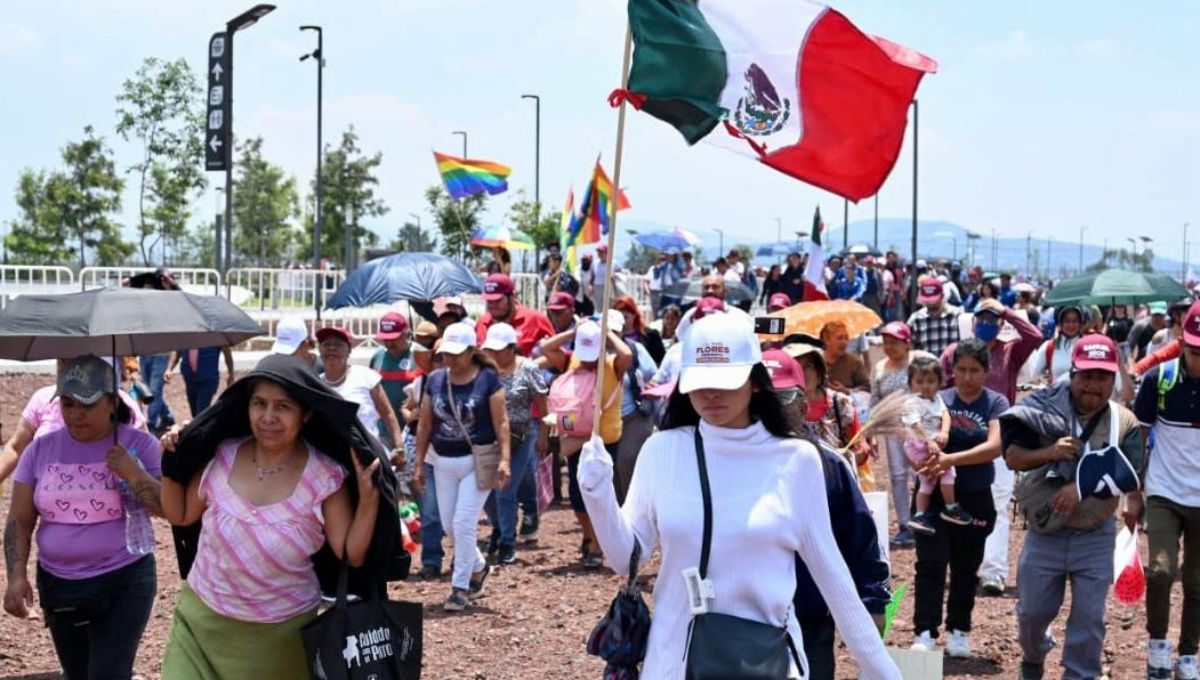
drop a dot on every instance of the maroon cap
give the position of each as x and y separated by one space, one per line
898 330
497 286
1191 326
786 373
561 300
334 331
779 301
392 326
1095 353
930 291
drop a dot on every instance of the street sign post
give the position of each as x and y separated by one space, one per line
219 109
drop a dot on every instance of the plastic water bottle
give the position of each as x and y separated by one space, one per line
139 533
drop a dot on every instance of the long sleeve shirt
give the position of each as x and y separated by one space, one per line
762 491
1005 359
842 288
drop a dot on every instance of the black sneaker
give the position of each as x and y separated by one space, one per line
920 523
1031 671
429 573
507 555
458 600
954 514
493 545
529 530
476 590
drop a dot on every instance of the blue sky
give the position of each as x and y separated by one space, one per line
1045 115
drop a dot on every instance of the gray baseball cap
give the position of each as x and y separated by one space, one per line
86 379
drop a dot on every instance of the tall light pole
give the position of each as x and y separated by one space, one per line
721 243
1047 268
1028 249
800 235
779 230
464 136
1183 272
912 288
418 219
875 241
994 246
537 167
845 224
319 214
1082 229
244 20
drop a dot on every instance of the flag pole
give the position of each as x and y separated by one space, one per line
613 208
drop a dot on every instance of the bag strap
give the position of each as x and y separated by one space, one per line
706 493
1092 424
634 558
454 410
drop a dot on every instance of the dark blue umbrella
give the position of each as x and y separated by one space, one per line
662 241
404 276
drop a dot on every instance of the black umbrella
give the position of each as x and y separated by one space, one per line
119 322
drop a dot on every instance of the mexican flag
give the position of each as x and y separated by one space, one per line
792 82
814 272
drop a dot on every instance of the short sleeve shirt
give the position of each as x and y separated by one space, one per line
1174 468
474 410
521 387
395 374
356 387
968 429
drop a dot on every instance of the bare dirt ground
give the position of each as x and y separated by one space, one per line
536 614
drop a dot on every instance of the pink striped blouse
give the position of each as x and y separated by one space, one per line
254 563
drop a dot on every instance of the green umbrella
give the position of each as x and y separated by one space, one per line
1116 287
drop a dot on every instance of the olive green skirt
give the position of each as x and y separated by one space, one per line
204 645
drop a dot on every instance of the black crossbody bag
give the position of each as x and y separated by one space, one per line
724 647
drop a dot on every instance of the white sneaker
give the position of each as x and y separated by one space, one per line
958 646
1158 660
924 642
1188 668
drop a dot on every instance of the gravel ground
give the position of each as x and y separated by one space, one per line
536 614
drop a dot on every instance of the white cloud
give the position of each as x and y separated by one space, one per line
15 38
1013 47
1100 47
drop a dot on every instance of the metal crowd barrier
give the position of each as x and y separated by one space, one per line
191 279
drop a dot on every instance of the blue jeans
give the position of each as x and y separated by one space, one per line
96 623
432 552
527 492
200 393
153 368
501 506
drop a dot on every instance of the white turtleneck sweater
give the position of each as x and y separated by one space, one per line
768 497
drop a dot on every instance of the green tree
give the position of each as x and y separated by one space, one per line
349 184
543 228
162 107
746 252
455 220
413 239
640 258
264 204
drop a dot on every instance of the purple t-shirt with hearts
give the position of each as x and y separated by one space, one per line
81 527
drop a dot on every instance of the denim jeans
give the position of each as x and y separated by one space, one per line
153 369
96 623
527 492
432 552
501 504
200 393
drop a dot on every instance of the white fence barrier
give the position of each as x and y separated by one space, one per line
193 280
18 280
280 290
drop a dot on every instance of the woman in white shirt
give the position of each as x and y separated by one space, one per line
763 477
360 385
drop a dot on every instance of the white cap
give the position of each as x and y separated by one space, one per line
457 338
289 335
616 321
499 336
718 355
587 341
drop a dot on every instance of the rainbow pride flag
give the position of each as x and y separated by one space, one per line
594 210
564 229
467 177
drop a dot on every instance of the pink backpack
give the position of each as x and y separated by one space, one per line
571 399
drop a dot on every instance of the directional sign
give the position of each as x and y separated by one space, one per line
217 149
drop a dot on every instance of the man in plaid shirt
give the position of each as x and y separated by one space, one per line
935 325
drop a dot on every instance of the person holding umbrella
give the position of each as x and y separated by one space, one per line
95 584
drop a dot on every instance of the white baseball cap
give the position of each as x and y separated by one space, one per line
499 336
587 341
718 355
457 338
289 335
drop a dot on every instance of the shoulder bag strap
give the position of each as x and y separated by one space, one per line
634 558
706 493
454 410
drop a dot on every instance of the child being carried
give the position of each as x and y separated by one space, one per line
928 414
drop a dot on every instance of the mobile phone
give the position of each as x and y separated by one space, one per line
769 325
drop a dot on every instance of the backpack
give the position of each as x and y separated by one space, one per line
571 400
1168 377
634 376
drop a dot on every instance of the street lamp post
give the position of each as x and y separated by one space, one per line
537 167
912 289
779 230
244 20
845 223
464 136
1183 269
418 219
1082 229
875 241
721 243
319 214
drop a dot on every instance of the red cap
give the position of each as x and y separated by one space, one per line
707 306
869 260
561 300
779 301
930 291
330 331
1095 353
898 330
497 286
1191 326
786 373
392 326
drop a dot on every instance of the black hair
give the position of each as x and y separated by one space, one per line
972 349
991 286
721 261
764 405
925 366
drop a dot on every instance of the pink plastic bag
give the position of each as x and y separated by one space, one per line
545 482
1129 578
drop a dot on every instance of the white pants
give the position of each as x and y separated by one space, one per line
995 550
459 505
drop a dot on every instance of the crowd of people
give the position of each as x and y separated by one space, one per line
970 394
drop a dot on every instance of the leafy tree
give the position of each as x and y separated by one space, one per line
413 239
162 106
543 228
349 184
640 258
264 203
455 220
746 252
38 236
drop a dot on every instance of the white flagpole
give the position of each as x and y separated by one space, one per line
612 236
